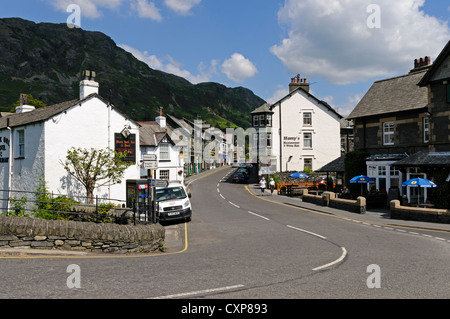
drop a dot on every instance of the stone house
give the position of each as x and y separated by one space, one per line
403 123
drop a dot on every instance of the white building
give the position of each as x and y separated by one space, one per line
156 138
33 143
297 132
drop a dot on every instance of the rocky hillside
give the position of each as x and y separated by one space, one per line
46 60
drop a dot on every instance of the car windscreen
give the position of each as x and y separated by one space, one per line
170 193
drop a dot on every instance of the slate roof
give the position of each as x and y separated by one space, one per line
38 115
436 65
334 166
299 89
265 108
44 113
435 159
396 94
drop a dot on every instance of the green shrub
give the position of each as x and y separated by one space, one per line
47 207
18 206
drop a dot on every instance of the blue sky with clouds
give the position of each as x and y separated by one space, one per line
341 46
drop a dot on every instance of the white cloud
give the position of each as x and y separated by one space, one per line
331 38
347 107
171 66
146 9
151 60
89 8
238 68
278 95
182 7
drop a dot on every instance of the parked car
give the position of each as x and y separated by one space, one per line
244 171
239 178
173 202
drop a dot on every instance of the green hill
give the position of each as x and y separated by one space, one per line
46 60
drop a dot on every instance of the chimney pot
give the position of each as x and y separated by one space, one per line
88 86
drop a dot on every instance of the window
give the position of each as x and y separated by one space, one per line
269 139
164 154
394 171
388 133
371 171
255 120
307 164
262 120
21 150
164 174
307 140
269 120
381 170
426 129
307 119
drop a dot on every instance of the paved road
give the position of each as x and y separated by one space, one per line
242 245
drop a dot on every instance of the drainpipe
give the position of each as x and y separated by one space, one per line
10 164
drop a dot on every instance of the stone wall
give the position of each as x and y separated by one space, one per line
329 199
419 214
26 232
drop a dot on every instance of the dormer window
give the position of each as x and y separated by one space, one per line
262 120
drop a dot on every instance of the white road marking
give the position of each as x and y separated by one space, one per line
221 196
258 215
344 253
199 292
234 204
305 231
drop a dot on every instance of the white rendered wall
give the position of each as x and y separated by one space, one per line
91 125
325 131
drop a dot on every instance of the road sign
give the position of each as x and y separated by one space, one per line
150 157
159 183
150 161
150 165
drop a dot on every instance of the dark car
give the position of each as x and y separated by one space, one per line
239 178
244 171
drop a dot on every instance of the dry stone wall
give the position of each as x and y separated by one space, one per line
26 232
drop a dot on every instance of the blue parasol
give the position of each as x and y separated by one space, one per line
419 182
298 175
362 179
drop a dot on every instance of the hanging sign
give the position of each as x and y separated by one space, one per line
126 145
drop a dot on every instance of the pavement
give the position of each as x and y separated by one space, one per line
372 216
377 216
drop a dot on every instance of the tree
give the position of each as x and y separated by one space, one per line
95 167
30 101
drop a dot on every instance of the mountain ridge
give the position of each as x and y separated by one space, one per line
46 61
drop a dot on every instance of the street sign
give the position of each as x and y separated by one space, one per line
150 161
159 183
150 157
150 165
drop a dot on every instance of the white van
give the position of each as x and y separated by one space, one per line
173 202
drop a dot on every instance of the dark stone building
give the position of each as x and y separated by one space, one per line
404 123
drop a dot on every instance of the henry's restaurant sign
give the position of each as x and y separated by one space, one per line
4 149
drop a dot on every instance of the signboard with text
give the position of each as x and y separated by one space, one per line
126 145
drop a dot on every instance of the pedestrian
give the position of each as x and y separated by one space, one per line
272 186
262 185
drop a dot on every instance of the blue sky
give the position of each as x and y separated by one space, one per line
341 46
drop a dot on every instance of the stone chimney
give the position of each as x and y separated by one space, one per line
24 107
297 82
161 120
88 86
421 64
